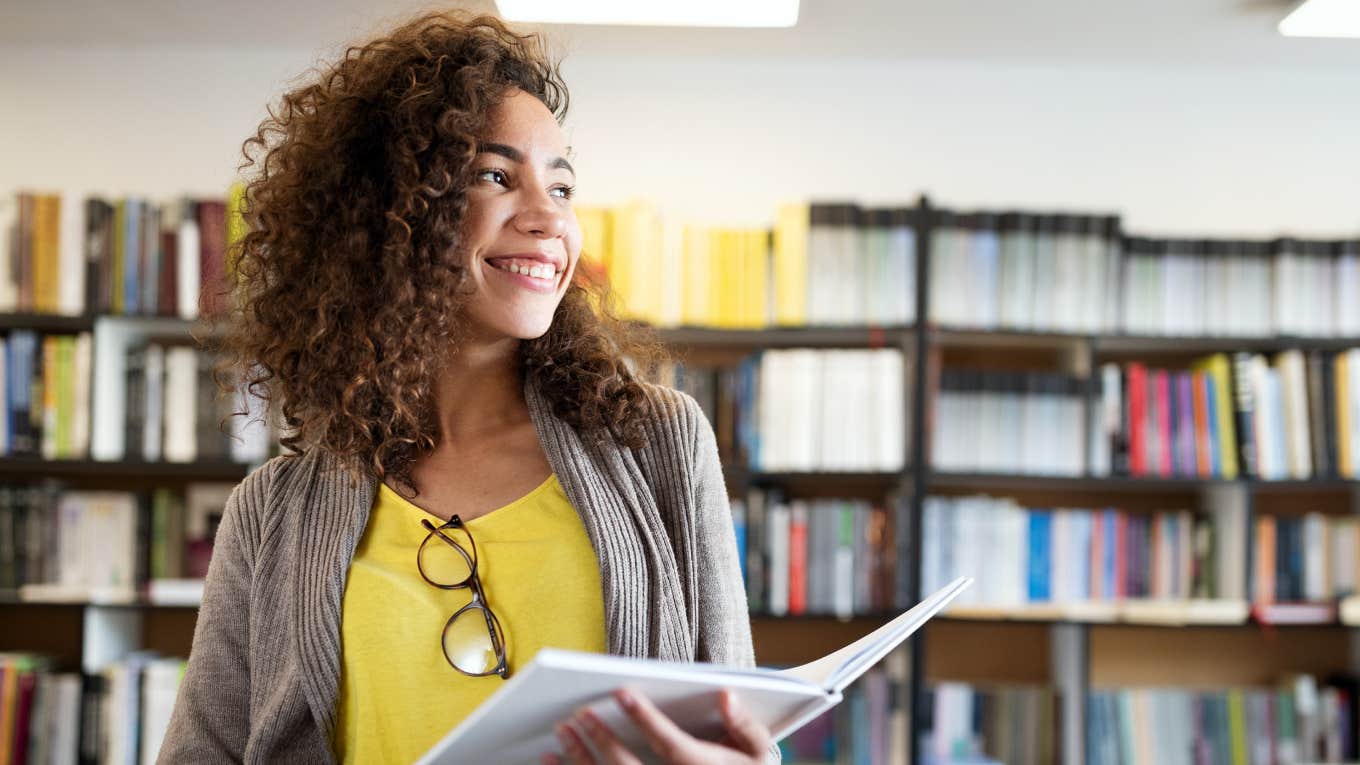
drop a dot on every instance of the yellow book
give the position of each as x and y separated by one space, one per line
1237 728
635 260
725 275
40 246
1217 367
236 225
50 382
116 266
595 223
755 279
790 264
697 294
1345 466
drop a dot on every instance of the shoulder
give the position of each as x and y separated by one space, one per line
676 420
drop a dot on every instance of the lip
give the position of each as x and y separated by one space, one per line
527 282
539 257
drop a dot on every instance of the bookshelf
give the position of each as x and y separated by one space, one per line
1077 649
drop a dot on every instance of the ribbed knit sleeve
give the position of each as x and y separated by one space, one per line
723 618
211 719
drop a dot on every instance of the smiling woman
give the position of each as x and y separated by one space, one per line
478 471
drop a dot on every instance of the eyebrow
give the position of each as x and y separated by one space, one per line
515 155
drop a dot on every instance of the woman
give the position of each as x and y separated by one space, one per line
477 472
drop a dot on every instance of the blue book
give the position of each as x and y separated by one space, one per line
1040 550
1215 452
739 531
132 238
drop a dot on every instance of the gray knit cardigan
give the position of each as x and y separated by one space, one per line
263 674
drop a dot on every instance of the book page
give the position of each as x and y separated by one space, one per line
837 670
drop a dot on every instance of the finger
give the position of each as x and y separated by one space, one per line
606 743
744 731
549 758
574 746
666 739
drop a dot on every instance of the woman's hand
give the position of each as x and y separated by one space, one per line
746 743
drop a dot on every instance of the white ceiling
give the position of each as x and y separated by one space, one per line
1141 32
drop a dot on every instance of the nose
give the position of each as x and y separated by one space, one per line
541 216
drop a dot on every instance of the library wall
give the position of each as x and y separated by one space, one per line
1197 152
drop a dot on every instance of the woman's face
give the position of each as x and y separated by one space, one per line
521 240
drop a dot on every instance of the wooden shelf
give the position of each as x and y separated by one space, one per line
46 322
784 337
29 467
1122 344
1020 481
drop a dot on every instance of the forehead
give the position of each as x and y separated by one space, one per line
522 121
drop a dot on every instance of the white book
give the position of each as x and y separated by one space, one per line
160 687
1315 557
515 725
777 520
181 404
1295 398
187 264
71 257
154 405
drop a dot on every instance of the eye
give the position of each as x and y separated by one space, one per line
493 175
562 192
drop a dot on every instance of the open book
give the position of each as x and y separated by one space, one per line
516 724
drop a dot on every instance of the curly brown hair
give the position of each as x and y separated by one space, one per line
348 274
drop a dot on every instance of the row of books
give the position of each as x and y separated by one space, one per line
825 556
990 725
872 726
805 410
1308 557
175 412
45 379
1241 289
1300 721
117 715
125 255
1027 272
1295 418
1022 555
1025 422
826 264
61 545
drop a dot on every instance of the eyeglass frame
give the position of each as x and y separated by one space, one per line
479 600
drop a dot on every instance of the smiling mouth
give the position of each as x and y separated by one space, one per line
544 272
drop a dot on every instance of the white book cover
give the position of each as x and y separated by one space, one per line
1346 297
1315 557
1295 399
71 256
154 405
187 265
777 521
515 725
181 404
805 373
160 687
1345 549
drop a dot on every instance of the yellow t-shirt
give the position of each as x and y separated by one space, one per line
398 695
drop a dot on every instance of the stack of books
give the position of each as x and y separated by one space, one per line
82 546
1023 556
1294 416
118 714
1016 725
1300 720
1024 272
127 255
1009 422
821 557
823 264
1214 288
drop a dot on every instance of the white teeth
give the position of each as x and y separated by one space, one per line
536 272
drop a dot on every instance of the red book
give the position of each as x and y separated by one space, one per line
214 298
1137 389
23 710
1162 381
798 559
166 304
1204 455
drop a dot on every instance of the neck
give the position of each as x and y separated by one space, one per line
480 390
